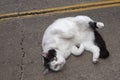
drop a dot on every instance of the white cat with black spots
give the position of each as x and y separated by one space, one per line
72 35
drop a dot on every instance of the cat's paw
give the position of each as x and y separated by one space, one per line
95 60
75 51
100 24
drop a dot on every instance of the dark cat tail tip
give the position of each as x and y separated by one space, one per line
104 54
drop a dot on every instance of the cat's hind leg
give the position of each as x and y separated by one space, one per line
94 49
77 51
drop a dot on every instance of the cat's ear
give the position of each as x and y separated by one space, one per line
46 71
44 54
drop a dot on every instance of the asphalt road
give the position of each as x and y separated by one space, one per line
22 5
20 43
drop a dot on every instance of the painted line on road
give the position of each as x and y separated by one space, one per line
65 9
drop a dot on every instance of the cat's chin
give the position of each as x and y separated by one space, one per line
59 68
56 70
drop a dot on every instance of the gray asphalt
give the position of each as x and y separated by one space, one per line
23 5
20 46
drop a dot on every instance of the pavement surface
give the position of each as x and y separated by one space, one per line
22 5
20 43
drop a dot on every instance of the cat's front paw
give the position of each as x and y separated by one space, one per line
95 60
74 51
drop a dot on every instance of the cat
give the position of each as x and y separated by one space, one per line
72 35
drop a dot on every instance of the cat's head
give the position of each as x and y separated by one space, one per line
54 61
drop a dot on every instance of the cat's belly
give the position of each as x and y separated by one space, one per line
81 37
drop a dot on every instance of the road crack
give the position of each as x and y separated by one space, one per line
23 56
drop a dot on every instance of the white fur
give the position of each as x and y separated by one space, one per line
100 24
65 33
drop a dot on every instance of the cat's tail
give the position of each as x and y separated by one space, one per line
95 25
104 53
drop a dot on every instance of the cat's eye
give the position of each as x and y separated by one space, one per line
55 58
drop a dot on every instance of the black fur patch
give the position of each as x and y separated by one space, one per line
93 25
101 44
49 58
77 46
